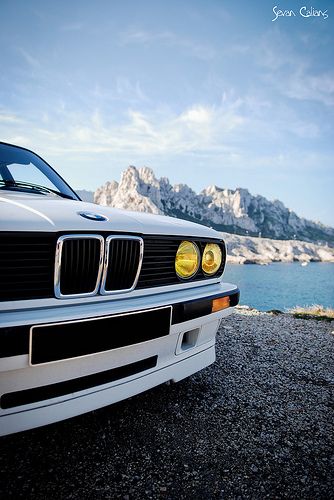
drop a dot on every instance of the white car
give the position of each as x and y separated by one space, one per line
96 304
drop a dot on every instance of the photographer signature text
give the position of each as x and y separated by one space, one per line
303 12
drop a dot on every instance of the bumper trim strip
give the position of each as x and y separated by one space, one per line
14 340
36 394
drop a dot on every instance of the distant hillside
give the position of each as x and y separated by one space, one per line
248 250
233 211
85 195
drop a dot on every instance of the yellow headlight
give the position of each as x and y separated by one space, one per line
212 258
187 259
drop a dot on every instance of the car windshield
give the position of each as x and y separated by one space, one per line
22 170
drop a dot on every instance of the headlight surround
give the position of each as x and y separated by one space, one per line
187 260
211 259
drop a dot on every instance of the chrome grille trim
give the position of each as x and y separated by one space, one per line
103 290
58 261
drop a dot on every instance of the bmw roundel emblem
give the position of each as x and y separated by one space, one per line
92 216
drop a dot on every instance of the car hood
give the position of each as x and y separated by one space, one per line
49 213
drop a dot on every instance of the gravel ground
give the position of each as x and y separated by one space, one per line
256 424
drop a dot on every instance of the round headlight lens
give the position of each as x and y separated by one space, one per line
212 258
187 260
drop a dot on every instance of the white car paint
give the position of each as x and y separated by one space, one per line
51 213
177 358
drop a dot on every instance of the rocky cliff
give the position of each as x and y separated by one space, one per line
249 250
234 211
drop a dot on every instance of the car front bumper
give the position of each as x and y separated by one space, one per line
37 394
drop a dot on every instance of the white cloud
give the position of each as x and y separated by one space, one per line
304 86
9 118
19 140
198 129
29 59
128 90
291 72
200 50
198 115
237 129
122 89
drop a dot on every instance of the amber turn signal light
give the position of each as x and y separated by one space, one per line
219 304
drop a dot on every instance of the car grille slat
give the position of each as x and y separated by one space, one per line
124 259
27 264
158 263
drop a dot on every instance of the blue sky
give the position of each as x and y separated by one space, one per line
204 92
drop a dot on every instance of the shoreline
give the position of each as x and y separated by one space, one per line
264 251
315 312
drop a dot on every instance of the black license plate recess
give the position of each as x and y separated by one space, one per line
71 339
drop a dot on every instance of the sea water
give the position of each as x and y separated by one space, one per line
283 285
